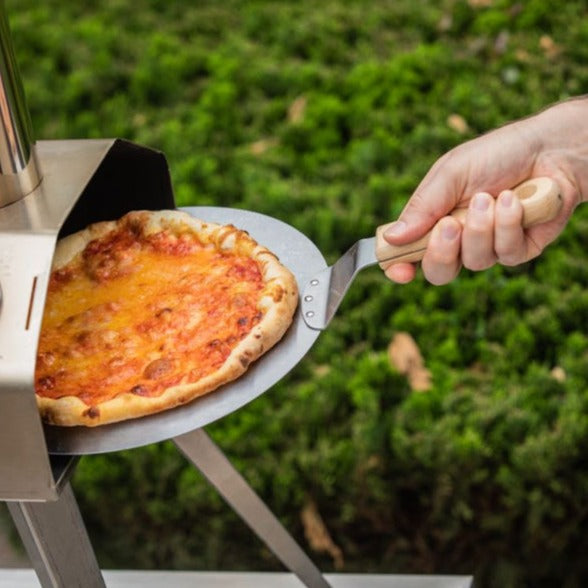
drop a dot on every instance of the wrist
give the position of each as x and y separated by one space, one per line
564 124
561 131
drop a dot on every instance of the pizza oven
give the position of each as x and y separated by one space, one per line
49 189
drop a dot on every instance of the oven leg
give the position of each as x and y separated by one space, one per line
57 542
199 448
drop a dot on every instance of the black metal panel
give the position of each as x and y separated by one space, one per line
131 177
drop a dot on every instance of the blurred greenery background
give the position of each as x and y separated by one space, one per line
326 115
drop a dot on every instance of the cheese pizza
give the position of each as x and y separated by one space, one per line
152 311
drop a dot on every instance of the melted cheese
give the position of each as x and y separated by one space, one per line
127 318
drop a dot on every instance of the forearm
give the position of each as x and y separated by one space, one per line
559 136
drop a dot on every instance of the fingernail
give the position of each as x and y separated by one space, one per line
395 229
506 199
481 202
449 232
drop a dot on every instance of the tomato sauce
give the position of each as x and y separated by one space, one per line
135 314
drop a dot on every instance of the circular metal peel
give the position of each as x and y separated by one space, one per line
304 260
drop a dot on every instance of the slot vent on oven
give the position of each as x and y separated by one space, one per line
31 303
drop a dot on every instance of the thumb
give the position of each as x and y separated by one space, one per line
426 206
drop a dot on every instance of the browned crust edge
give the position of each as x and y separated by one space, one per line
278 302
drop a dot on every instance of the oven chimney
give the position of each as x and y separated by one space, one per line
19 170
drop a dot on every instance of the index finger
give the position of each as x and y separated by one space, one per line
434 197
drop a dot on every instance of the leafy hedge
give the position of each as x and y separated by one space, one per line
326 115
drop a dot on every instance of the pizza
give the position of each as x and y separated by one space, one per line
151 311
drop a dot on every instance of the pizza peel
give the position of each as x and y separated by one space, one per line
322 290
303 259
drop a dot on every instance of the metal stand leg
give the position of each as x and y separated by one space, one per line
57 542
198 447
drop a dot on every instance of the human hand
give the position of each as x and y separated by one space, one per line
478 176
540 200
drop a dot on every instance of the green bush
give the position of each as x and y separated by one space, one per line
487 472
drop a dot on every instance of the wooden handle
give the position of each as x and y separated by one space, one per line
541 200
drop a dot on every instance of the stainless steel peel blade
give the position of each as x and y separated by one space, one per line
296 251
323 293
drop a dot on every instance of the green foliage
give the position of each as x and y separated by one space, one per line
487 472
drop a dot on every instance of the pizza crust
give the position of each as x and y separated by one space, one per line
278 302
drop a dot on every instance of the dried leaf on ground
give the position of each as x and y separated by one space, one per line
297 109
523 55
558 373
405 356
549 46
445 23
261 146
458 123
318 536
322 370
